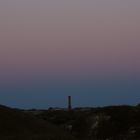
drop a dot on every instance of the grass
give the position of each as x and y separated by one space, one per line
16 125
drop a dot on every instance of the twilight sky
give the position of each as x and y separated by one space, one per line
50 49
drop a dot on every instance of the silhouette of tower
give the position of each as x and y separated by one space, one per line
69 103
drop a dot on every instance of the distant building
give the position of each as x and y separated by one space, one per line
69 103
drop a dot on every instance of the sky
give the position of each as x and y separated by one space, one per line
50 49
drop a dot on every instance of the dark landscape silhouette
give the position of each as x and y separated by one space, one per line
101 123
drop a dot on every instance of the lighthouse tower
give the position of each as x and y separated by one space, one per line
69 103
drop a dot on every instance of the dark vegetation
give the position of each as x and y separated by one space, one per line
17 125
107 123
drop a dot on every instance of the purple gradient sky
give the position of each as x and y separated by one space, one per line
47 42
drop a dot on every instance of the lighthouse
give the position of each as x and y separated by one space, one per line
69 103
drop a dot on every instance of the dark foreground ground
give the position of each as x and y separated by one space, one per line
17 125
107 123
